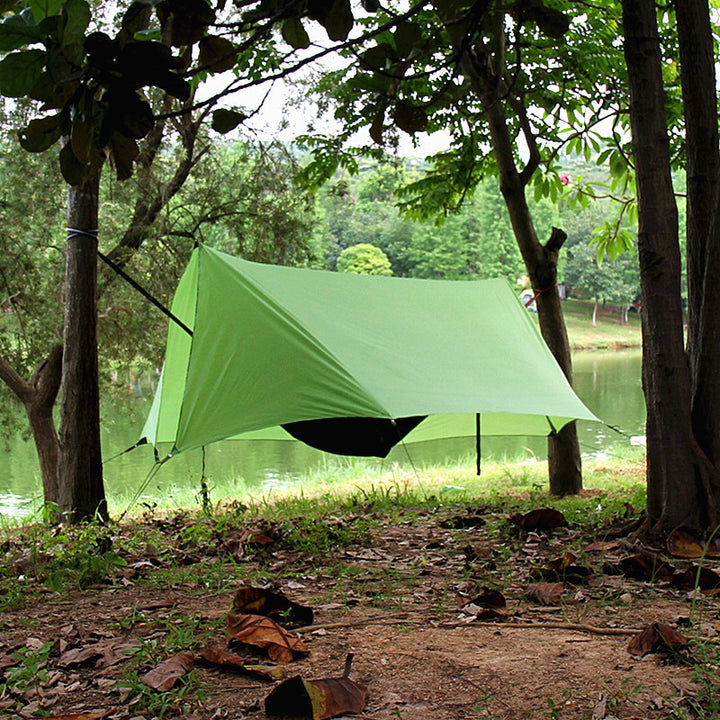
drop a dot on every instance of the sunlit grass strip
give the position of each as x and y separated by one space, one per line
501 483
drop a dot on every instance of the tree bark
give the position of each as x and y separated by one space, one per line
674 468
38 396
82 493
703 230
564 462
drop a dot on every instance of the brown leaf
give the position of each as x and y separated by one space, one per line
217 54
681 543
602 546
409 117
166 674
490 599
562 569
316 699
705 579
257 601
647 567
541 519
545 593
657 637
262 632
219 657
79 656
462 521
80 716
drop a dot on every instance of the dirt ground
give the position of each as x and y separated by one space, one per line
399 604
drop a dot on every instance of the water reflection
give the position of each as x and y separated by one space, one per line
609 383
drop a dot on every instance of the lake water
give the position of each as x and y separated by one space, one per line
608 382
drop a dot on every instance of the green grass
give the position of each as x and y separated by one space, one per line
609 334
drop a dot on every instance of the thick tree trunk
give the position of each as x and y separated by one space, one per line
82 493
39 397
703 232
703 161
675 470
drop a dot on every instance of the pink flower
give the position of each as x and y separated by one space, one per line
564 179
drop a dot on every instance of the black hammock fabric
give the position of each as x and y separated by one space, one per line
364 437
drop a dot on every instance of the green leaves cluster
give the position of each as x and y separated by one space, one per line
91 85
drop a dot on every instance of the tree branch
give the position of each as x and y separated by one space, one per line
20 387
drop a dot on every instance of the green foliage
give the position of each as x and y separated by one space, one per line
364 259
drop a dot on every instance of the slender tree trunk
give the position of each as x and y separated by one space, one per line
82 493
564 463
674 468
39 397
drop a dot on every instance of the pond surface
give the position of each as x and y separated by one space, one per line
608 382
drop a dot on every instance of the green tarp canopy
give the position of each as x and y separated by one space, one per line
274 346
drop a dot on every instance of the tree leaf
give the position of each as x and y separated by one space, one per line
295 34
409 117
20 71
316 699
408 35
77 18
74 172
166 674
271 604
219 657
378 126
551 22
545 593
135 21
217 54
42 9
184 22
81 139
335 16
123 152
681 543
657 637
378 57
541 519
40 134
19 30
262 632
223 120
128 113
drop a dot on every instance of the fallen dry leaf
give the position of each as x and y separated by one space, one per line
80 716
167 673
462 521
705 579
262 632
647 567
562 569
217 656
602 546
657 637
683 544
545 593
317 699
489 598
542 519
257 601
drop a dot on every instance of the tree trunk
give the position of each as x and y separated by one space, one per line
564 463
82 493
39 396
674 468
703 228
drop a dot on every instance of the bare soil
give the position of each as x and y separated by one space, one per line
397 602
